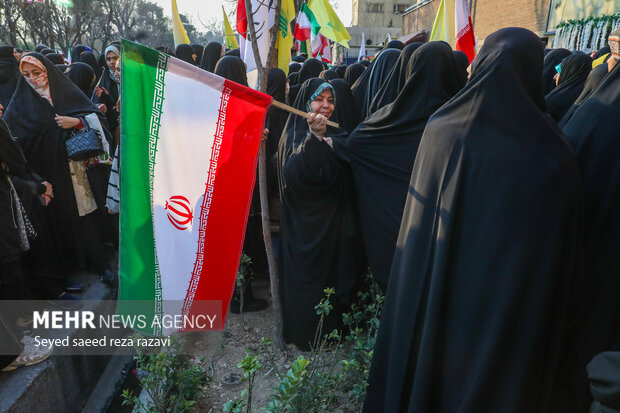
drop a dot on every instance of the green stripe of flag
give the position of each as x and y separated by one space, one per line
142 98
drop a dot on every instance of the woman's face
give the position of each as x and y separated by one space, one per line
29 70
323 103
111 58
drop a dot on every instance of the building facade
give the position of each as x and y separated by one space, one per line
539 16
377 13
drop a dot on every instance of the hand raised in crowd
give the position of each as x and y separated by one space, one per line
265 134
46 199
1 108
102 107
100 90
49 190
66 122
317 124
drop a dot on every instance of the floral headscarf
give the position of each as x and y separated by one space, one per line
39 83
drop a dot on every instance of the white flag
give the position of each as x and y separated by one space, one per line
362 48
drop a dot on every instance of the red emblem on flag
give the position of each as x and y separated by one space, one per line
179 212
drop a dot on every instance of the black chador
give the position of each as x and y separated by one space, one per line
319 235
383 148
593 133
477 308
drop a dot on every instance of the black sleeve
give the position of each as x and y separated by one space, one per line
314 165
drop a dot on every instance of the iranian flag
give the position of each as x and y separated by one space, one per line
307 28
453 25
189 146
320 48
306 25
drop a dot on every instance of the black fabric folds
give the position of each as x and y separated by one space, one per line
294 67
395 80
185 52
593 133
552 59
345 112
383 148
341 70
78 50
353 73
83 76
233 52
292 79
476 312
575 71
330 75
55 58
317 225
462 63
595 77
371 81
31 120
310 69
90 59
211 55
232 68
394 44
604 378
276 118
602 51
198 50
9 74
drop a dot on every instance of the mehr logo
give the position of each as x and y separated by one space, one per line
179 212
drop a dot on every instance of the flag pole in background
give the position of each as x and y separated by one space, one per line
178 31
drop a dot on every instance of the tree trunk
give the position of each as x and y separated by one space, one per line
263 72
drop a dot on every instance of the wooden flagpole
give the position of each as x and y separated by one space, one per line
298 112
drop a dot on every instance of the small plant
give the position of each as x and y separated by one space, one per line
244 274
250 366
288 388
335 374
170 379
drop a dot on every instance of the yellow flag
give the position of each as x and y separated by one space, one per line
180 35
229 35
285 34
331 26
443 27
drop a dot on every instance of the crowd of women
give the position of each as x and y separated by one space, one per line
483 198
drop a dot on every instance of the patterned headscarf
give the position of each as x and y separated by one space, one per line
39 83
317 92
614 44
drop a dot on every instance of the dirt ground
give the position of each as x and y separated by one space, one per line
223 350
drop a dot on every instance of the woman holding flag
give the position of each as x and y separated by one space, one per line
320 247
